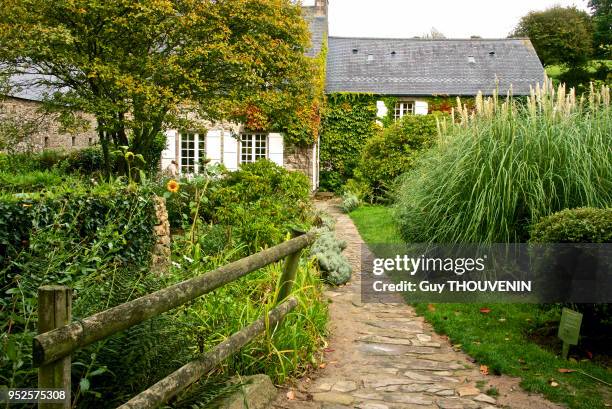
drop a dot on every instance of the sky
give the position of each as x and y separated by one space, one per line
453 18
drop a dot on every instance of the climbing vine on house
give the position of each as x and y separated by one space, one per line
300 118
349 121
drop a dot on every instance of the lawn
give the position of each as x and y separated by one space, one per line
375 224
502 339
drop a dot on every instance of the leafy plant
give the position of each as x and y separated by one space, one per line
394 151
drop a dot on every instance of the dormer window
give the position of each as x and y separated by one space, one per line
403 108
471 59
370 57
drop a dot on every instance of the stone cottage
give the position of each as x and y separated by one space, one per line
413 71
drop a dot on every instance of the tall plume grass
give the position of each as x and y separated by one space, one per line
508 162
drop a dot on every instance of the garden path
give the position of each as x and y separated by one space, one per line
384 356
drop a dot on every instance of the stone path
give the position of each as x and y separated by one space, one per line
383 356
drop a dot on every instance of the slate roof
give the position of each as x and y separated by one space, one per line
28 86
417 67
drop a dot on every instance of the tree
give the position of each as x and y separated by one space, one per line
140 66
433 34
560 35
602 24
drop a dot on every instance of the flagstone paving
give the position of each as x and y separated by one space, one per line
384 356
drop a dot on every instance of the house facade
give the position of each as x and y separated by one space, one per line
413 71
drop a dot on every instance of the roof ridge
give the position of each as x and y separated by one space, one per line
430 39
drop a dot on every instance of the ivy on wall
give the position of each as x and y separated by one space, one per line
348 122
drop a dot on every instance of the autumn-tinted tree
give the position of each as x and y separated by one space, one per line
139 66
602 22
560 35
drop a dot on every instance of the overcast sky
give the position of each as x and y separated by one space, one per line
453 18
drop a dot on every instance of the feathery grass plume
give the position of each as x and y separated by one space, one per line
500 168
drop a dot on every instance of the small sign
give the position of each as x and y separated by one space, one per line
569 329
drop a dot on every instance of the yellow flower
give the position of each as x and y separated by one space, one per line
173 186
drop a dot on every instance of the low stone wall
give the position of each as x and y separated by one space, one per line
161 250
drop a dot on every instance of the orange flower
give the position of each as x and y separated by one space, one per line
173 186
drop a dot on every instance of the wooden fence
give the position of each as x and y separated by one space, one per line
59 337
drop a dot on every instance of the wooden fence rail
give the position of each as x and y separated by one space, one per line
58 337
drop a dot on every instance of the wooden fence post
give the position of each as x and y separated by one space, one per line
54 311
289 271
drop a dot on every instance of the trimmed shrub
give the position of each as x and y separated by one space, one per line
583 225
393 152
495 173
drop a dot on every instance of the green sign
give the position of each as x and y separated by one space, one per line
569 329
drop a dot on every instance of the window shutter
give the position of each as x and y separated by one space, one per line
169 154
381 108
421 108
213 146
230 151
276 148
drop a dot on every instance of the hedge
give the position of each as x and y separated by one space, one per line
582 225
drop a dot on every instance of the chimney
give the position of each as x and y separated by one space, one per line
321 8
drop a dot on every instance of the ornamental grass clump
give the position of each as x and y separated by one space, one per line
508 163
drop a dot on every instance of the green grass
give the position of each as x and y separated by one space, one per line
376 225
500 339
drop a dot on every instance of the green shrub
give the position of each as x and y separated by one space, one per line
393 151
495 174
34 181
350 202
97 241
85 161
583 225
348 122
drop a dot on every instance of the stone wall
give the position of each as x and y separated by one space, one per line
161 250
49 134
297 158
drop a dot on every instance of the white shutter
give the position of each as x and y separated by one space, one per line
230 151
169 154
421 108
382 109
213 146
276 148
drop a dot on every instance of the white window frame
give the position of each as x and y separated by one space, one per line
403 108
198 150
251 145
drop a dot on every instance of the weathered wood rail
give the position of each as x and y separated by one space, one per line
59 337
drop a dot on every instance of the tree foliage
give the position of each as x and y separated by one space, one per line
141 67
560 35
602 25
